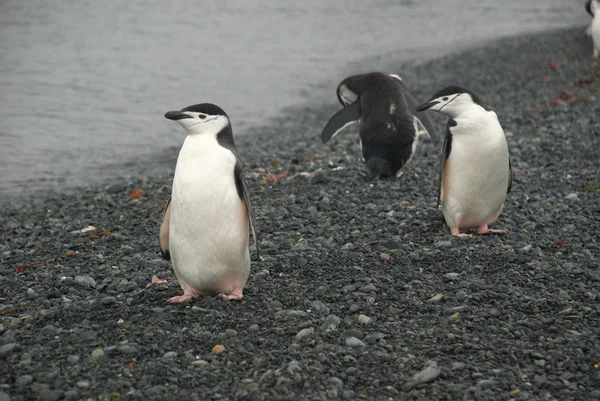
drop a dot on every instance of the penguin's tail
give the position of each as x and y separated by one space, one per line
378 167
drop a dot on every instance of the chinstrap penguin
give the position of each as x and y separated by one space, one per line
205 224
389 124
593 8
475 174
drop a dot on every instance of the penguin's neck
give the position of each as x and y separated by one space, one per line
471 111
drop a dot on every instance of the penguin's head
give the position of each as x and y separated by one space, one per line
200 118
452 100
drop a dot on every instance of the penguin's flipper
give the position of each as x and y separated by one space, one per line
164 232
509 176
340 120
445 154
242 190
588 7
421 118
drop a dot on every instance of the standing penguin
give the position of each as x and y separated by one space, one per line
593 8
205 225
389 122
588 8
476 173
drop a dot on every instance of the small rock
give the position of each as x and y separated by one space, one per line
455 317
436 299
217 349
352 333
443 244
199 363
318 178
83 384
170 355
51 395
384 256
331 323
108 301
73 359
572 196
23 381
540 362
320 307
354 342
368 288
231 332
305 333
494 312
127 349
461 295
485 383
253 327
31 293
85 281
49 331
457 366
97 353
428 374
7 349
364 319
451 276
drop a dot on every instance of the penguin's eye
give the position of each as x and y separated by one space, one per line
201 116
445 98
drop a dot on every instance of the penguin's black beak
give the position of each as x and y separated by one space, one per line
176 115
426 106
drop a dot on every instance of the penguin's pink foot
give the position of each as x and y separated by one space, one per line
457 233
485 230
182 298
189 292
596 55
236 294
399 174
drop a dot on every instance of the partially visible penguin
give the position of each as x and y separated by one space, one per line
389 124
475 173
588 8
594 29
205 225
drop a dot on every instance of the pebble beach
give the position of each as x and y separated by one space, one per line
361 293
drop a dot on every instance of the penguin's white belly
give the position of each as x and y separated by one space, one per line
595 30
475 180
208 232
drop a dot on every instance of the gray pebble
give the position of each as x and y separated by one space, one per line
451 276
170 355
85 281
494 312
461 295
320 307
231 332
23 381
87 336
354 342
458 366
127 349
368 288
108 300
321 290
73 359
51 395
428 374
31 293
71 395
8 349
353 333
253 327
443 244
4 396
572 196
83 384
331 323
485 383
49 331
540 362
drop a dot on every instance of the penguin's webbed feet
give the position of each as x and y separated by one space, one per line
454 231
236 294
483 229
182 298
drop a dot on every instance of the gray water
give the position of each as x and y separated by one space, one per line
84 85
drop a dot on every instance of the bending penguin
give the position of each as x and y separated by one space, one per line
389 124
593 7
205 225
475 173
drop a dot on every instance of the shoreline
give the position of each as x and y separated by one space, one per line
519 314
167 158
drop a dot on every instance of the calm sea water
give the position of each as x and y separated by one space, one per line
84 84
